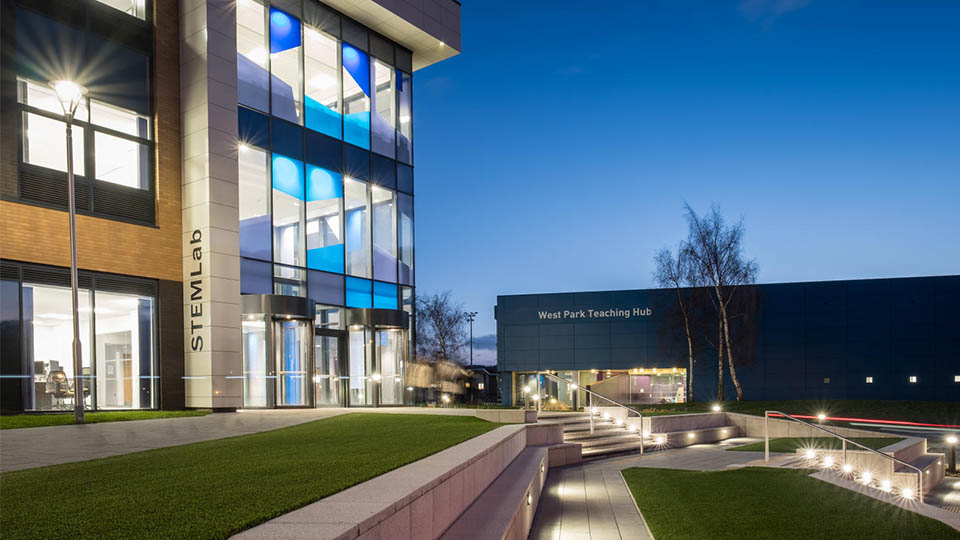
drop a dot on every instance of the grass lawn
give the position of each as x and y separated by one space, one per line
217 488
42 420
791 444
756 502
937 412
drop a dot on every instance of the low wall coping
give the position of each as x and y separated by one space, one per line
355 510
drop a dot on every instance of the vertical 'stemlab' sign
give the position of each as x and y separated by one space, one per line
196 291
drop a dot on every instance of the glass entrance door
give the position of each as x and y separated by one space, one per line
327 349
390 345
292 345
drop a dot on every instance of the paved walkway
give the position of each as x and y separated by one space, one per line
591 501
39 447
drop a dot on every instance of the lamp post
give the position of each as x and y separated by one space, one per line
70 94
471 315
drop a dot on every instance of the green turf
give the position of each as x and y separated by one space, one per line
62 419
792 444
217 488
938 412
754 502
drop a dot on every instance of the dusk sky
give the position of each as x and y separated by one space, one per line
556 152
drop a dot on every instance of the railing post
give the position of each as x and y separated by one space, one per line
844 451
920 486
590 403
766 436
641 434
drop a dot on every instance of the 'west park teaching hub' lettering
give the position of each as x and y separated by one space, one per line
596 313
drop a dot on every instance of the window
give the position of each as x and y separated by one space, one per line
137 8
826 380
124 343
121 137
289 280
254 191
913 378
253 74
321 64
956 378
48 328
405 206
357 220
44 143
384 104
384 235
324 226
288 245
356 96
358 293
328 317
117 360
285 45
869 380
405 136
256 277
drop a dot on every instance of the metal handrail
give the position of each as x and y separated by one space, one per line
766 446
592 393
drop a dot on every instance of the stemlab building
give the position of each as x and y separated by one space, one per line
245 199
863 339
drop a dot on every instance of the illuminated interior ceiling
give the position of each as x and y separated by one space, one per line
427 36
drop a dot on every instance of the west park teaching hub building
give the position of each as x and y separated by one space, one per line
863 339
244 189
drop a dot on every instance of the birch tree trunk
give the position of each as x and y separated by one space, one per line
726 333
690 352
720 360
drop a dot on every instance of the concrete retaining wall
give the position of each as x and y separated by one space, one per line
418 501
507 416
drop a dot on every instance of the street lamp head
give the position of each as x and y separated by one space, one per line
70 94
952 439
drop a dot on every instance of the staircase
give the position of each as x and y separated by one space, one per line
608 436
615 433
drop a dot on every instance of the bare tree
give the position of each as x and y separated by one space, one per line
441 327
675 272
716 257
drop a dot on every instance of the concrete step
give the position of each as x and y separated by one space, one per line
609 450
609 441
607 431
932 466
562 415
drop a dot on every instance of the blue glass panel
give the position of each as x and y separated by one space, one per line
357 64
287 139
328 258
356 129
255 277
324 288
323 184
358 293
405 179
322 118
253 128
323 151
284 31
288 176
384 295
384 172
356 162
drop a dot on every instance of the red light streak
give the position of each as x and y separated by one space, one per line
892 422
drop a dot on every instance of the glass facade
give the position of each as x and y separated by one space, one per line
118 340
326 202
